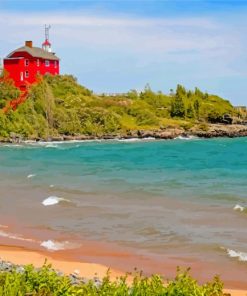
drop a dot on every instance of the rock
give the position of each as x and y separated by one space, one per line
57 138
221 130
68 138
108 137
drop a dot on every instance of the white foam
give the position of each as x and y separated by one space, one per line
186 138
30 142
129 140
31 176
239 208
53 200
51 146
51 186
12 145
149 139
57 246
241 256
14 236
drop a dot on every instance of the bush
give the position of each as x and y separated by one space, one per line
46 282
59 105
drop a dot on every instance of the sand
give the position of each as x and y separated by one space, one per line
22 256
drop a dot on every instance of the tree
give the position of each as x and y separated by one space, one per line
8 91
133 94
181 91
198 93
197 107
177 107
190 111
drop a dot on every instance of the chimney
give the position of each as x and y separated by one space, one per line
29 44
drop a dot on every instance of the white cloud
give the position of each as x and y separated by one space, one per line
137 48
143 35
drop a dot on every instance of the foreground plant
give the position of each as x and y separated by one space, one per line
46 282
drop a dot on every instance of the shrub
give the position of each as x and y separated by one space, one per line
46 282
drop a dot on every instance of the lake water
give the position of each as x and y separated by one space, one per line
167 203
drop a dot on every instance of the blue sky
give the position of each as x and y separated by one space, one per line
114 46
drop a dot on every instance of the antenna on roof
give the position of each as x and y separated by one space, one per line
47 45
47 31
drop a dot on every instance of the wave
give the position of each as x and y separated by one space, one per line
51 146
239 208
15 236
186 138
134 139
241 256
13 145
53 200
57 246
31 176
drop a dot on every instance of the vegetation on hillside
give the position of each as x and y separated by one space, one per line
59 105
47 282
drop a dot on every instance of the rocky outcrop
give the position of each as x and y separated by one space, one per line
202 131
221 130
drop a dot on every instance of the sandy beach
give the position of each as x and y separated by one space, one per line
22 256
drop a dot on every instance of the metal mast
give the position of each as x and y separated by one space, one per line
47 32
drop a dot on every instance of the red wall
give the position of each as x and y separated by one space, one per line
16 66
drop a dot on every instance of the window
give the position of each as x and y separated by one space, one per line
47 63
26 74
55 64
38 63
21 76
26 63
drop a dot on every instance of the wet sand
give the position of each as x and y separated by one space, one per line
22 256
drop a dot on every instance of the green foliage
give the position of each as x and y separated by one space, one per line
177 107
8 91
190 111
46 282
59 105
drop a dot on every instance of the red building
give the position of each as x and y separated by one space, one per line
26 63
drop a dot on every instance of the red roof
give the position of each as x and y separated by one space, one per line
35 52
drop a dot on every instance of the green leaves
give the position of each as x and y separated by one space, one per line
58 105
46 282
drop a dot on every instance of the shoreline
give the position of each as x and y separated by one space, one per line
23 256
170 133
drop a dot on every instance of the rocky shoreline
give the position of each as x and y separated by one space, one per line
207 131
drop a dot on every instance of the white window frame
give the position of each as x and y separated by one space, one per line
47 63
26 74
26 62
38 62
55 64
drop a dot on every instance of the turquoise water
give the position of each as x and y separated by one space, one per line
152 196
